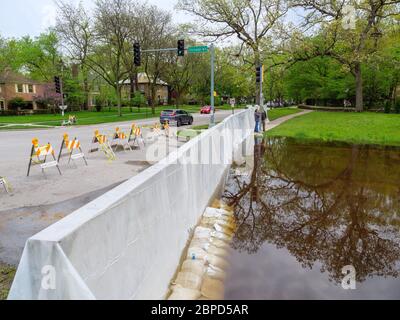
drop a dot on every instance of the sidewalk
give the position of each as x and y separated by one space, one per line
273 124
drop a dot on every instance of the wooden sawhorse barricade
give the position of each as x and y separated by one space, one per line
104 145
136 136
6 185
39 156
122 140
72 146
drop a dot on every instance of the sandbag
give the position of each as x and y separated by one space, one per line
213 289
179 294
217 213
230 225
196 267
206 222
219 204
196 253
217 251
216 204
219 262
201 233
223 230
219 243
200 242
189 280
222 236
215 273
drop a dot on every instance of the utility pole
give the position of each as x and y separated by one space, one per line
212 49
260 79
58 80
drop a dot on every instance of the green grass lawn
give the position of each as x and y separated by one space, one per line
89 117
281 112
359 128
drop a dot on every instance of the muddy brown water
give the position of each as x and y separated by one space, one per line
308 210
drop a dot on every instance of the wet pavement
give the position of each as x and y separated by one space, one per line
18 225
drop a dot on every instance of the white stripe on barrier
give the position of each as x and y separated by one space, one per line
77 156
49 165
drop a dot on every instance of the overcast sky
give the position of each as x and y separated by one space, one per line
31 17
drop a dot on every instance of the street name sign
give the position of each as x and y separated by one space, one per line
199 49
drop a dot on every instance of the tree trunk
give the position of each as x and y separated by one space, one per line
153 99
118 92
136 81
359 88
86 93
132 79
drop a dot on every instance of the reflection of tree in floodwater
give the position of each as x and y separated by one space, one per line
329 204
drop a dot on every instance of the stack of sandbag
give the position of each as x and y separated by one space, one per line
203 273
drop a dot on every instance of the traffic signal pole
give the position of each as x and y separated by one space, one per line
262 93
181 53
61 88
212 51
260 81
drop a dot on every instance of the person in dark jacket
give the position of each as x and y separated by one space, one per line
264 120
258 116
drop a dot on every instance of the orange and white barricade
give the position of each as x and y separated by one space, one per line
6 185
39 156
167 129
72 146
136 136
156 129
122 140
103 145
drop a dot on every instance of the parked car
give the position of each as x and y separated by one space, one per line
206 110
178 117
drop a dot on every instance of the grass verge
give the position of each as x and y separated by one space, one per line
89 117
357 128
282 112
7 274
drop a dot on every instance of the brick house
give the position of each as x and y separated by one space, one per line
162 89
14 85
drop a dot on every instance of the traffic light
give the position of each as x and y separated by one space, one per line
181 48
259 74
137 54
57 83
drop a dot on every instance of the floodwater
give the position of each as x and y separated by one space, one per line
305 212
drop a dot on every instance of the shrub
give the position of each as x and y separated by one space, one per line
16 104
98 107
138 100
41 111
8 112
217 101
397 106
387 106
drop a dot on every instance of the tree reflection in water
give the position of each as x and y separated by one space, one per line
335 205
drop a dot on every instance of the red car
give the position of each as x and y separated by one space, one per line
206 110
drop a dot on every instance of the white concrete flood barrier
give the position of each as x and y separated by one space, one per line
128 243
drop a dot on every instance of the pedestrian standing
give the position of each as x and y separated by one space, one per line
258 117
264 120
